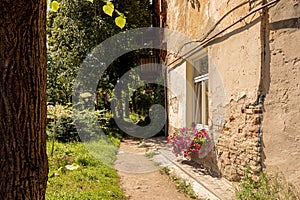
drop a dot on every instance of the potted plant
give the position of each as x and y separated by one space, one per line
186 141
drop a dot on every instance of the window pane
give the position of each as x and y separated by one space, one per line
197 103
200 103
201 66
200 114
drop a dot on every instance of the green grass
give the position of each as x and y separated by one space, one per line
103 151
92 180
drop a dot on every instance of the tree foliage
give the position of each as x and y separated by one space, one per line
75 29
108 9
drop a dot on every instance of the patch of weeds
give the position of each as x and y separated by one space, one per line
265 186
150 154
180 184
184 187
165 170
86 160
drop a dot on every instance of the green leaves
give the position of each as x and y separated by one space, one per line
54 5
109 8
120 21
75 29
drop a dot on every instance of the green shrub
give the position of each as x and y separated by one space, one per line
66 130
64 119
60 124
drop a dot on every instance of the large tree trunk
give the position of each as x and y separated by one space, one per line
23 59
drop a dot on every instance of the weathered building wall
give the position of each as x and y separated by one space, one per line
191 19
281 123
254 84
177 97
234 66
237 58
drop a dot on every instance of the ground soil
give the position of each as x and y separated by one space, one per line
150 184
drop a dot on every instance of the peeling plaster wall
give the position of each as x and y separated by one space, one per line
183 18
238 59
281 123
260 56
234 77
177 98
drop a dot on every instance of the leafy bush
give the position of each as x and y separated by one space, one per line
66 130
61 124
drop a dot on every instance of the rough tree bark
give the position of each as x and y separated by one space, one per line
23 59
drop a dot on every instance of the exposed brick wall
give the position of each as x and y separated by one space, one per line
239 145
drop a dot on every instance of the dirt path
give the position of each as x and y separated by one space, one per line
140 177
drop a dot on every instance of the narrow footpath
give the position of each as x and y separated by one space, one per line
138 164
140 176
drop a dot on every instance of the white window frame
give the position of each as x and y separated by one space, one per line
204 101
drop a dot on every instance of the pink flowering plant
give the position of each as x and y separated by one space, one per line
187 140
